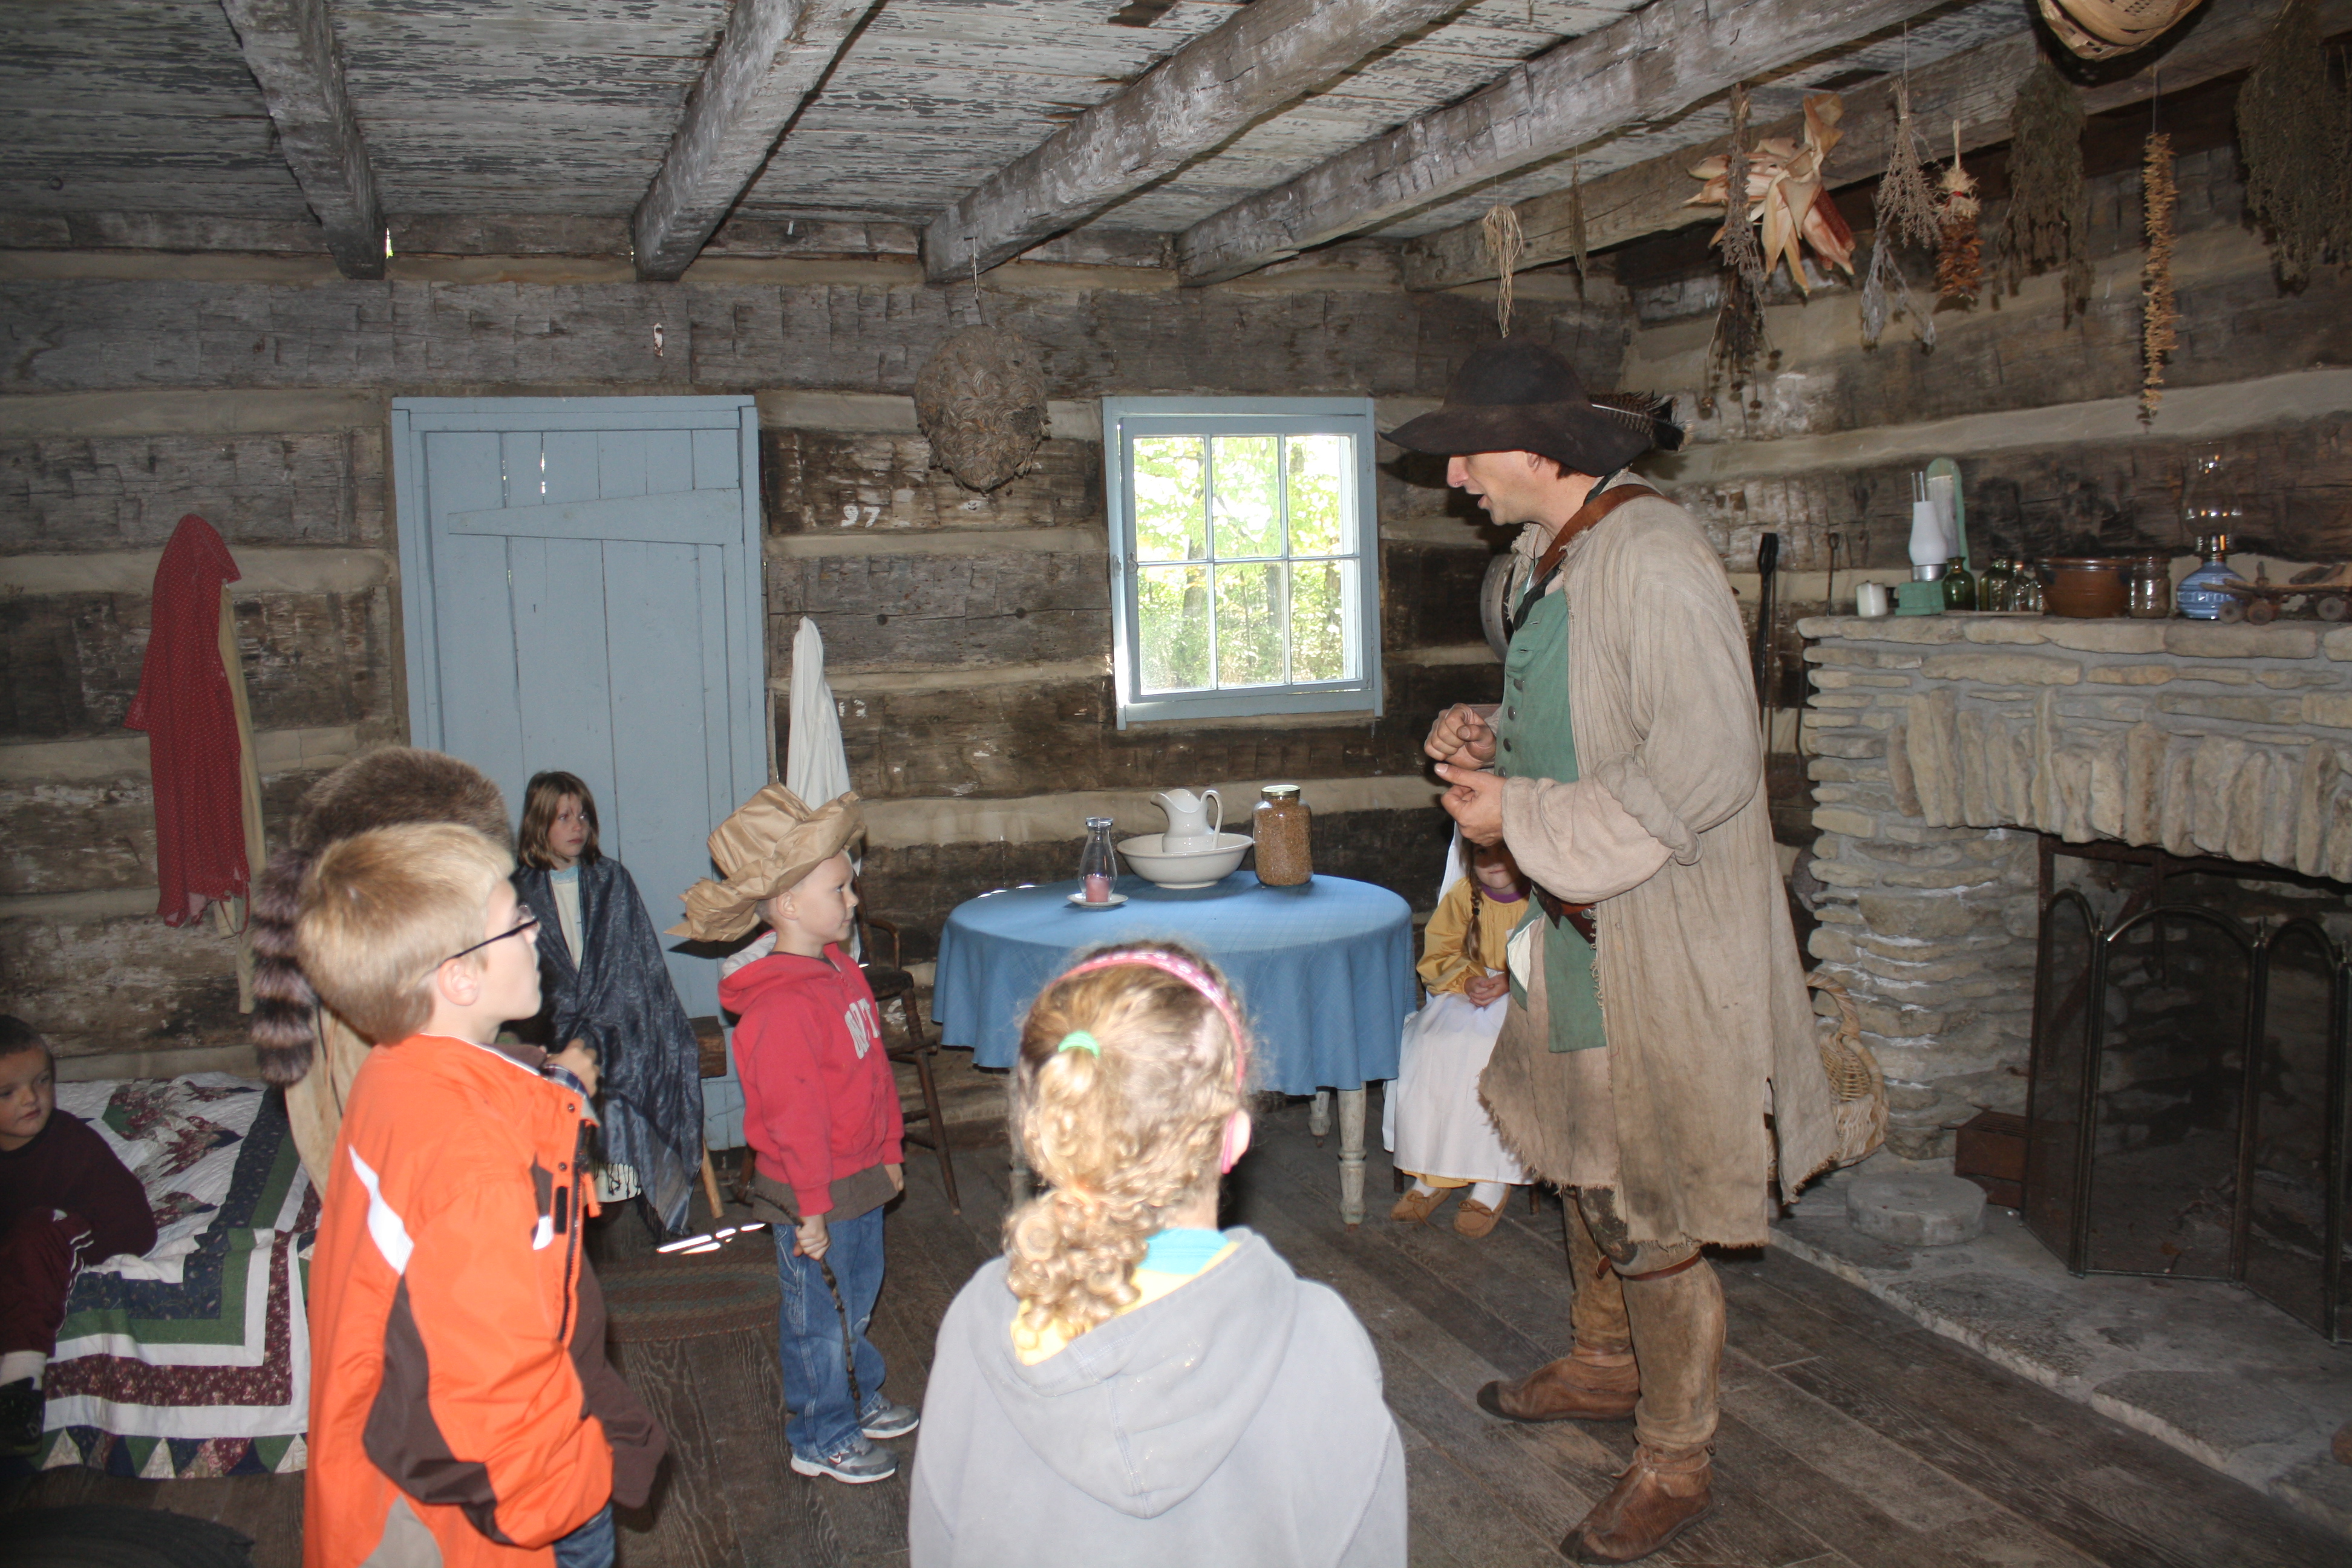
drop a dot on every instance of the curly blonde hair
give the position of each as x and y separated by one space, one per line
1121 1136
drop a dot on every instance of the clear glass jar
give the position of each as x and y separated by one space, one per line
1098 862
1997 588
2025 587
1280 823
2151 587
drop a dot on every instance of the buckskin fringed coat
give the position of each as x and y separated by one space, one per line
1708 1024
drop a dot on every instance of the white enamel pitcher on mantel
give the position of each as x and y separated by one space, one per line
1189 830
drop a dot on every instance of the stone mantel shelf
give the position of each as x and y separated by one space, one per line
1942 746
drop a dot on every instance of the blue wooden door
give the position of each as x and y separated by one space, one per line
581 590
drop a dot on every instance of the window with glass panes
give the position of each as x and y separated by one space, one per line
1245 554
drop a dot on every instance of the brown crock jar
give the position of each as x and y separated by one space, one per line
2089 587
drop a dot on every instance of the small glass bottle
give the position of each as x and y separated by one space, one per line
2151 587
2200 595
1280 823
1099 863
1960 588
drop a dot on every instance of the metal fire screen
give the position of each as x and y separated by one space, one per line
2186 1107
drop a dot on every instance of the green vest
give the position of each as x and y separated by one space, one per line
1537 739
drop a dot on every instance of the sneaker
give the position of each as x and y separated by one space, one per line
854 1463
884 1420
20 1417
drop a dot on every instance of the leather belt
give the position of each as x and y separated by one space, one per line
1578 915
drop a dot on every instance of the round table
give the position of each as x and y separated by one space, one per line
1323 971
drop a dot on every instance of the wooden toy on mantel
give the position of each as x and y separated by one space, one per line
2322 591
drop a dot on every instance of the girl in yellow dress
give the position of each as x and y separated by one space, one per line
1433 1119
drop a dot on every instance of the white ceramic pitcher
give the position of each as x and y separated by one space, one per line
1188 828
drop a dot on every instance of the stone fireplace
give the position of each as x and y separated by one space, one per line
1943 748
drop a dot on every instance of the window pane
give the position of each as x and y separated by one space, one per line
1172 613
1249 625
1319 619
1322 477
1170 523
1248 495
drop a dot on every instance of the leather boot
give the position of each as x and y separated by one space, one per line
1598 1380
1583 1385
1661 1492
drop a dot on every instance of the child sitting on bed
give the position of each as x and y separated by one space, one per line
1130 1385
462 1412
65 1201
1440 1132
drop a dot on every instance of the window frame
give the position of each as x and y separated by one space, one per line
1127 419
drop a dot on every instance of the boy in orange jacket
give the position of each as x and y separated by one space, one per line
820 1112
462 1412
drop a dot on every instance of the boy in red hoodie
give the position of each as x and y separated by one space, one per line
820 1112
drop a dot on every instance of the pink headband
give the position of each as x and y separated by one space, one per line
1191 975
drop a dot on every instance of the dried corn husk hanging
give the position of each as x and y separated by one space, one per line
981 402
1907 205
1960 254
1786 190
2159 319
2049 221
1505 244
2294 125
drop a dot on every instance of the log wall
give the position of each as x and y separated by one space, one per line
967 636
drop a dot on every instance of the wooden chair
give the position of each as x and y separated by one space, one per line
891 982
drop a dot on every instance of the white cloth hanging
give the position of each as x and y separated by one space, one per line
816 762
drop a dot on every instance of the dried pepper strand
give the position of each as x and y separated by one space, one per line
2160 319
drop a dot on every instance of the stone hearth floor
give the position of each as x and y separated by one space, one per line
2208 1368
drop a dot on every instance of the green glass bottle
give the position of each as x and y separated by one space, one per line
1960 588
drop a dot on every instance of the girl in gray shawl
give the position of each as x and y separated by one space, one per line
606 984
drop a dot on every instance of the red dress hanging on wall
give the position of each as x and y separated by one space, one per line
185 707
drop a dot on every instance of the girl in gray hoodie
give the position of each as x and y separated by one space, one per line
1130 1386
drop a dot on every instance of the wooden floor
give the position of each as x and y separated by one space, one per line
1850 1437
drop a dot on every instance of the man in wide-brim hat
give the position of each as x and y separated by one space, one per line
1660 1014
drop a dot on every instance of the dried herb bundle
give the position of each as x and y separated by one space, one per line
1959 256
2049 218
1740 323
1577 249
2294 131
1907 205
1887 294
2159 319
1505 244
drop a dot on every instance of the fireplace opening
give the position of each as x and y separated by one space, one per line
2185 1112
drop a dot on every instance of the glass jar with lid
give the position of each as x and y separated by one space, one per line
1280 824
2151 587
1997 588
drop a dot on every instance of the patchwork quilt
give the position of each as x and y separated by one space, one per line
195 1360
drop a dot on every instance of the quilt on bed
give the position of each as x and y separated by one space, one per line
195 1360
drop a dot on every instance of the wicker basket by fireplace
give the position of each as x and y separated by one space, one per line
1855 1083
2102 29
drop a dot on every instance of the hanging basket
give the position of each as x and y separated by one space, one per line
980 400
2102 29
1856 1084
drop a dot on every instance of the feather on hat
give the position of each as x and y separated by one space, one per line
768 844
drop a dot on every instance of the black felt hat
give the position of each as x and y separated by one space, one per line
1518 396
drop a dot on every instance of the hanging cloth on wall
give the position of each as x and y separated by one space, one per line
191 702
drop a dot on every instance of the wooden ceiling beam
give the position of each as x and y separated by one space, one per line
289 46
1976 88
774 54
1263 58
1648 66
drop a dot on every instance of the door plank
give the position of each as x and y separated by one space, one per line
716 464
563 668
669 462
621 463
697 517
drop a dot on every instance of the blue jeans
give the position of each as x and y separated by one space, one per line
591 1545
822 1419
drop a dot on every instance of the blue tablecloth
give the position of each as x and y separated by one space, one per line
1324 970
